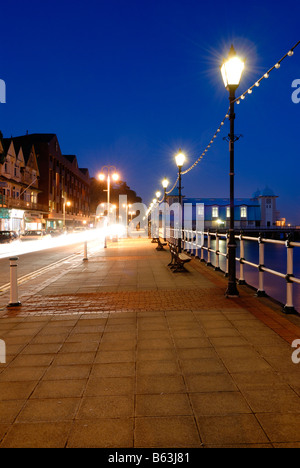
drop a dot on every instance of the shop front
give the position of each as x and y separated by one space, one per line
11 220
34 221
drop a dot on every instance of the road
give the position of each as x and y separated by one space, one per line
32 260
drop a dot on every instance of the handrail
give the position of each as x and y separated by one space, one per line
193 242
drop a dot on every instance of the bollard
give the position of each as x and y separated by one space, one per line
85 255
2 352
14 301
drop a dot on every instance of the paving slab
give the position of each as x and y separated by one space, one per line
120 352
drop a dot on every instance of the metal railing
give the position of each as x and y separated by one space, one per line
198 242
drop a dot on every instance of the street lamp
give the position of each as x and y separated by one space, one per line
111 174
232 70
180 158
65 204
165 184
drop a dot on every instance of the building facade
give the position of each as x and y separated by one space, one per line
64 188
259 211
19 180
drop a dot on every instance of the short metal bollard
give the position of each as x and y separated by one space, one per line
85 254
14 299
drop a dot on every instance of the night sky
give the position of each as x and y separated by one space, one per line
129 82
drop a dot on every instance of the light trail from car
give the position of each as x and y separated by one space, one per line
20 247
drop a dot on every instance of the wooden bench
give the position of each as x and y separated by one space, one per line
178 260
161 245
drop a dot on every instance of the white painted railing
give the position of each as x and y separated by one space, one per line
193 242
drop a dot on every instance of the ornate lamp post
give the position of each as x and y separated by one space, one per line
180 158
65 204
165 184
232 70
111 173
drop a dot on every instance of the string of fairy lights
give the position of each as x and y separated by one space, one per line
238 100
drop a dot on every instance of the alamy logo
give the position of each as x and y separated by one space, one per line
2 352
296 93
296 354
2 92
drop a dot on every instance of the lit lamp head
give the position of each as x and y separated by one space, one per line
115 177
68 203
232 70
165 183
158 194
101 176
180 158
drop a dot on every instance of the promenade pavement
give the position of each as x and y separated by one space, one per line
119 352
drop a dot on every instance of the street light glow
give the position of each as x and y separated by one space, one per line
115 176
165 183
180 159
232 69
101 176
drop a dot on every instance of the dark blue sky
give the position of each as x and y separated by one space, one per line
128 82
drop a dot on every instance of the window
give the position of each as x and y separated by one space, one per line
243 212
227 211
215 211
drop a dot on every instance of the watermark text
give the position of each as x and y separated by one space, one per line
296 353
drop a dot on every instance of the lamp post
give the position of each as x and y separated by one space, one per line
111 175
165 184
232 70
65 203
180 158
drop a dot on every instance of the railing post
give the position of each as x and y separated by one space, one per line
217 266
183 239
202 244
197 245
289 307
14 299
191 241
261 292
227 255
242 258
208 249
193 244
